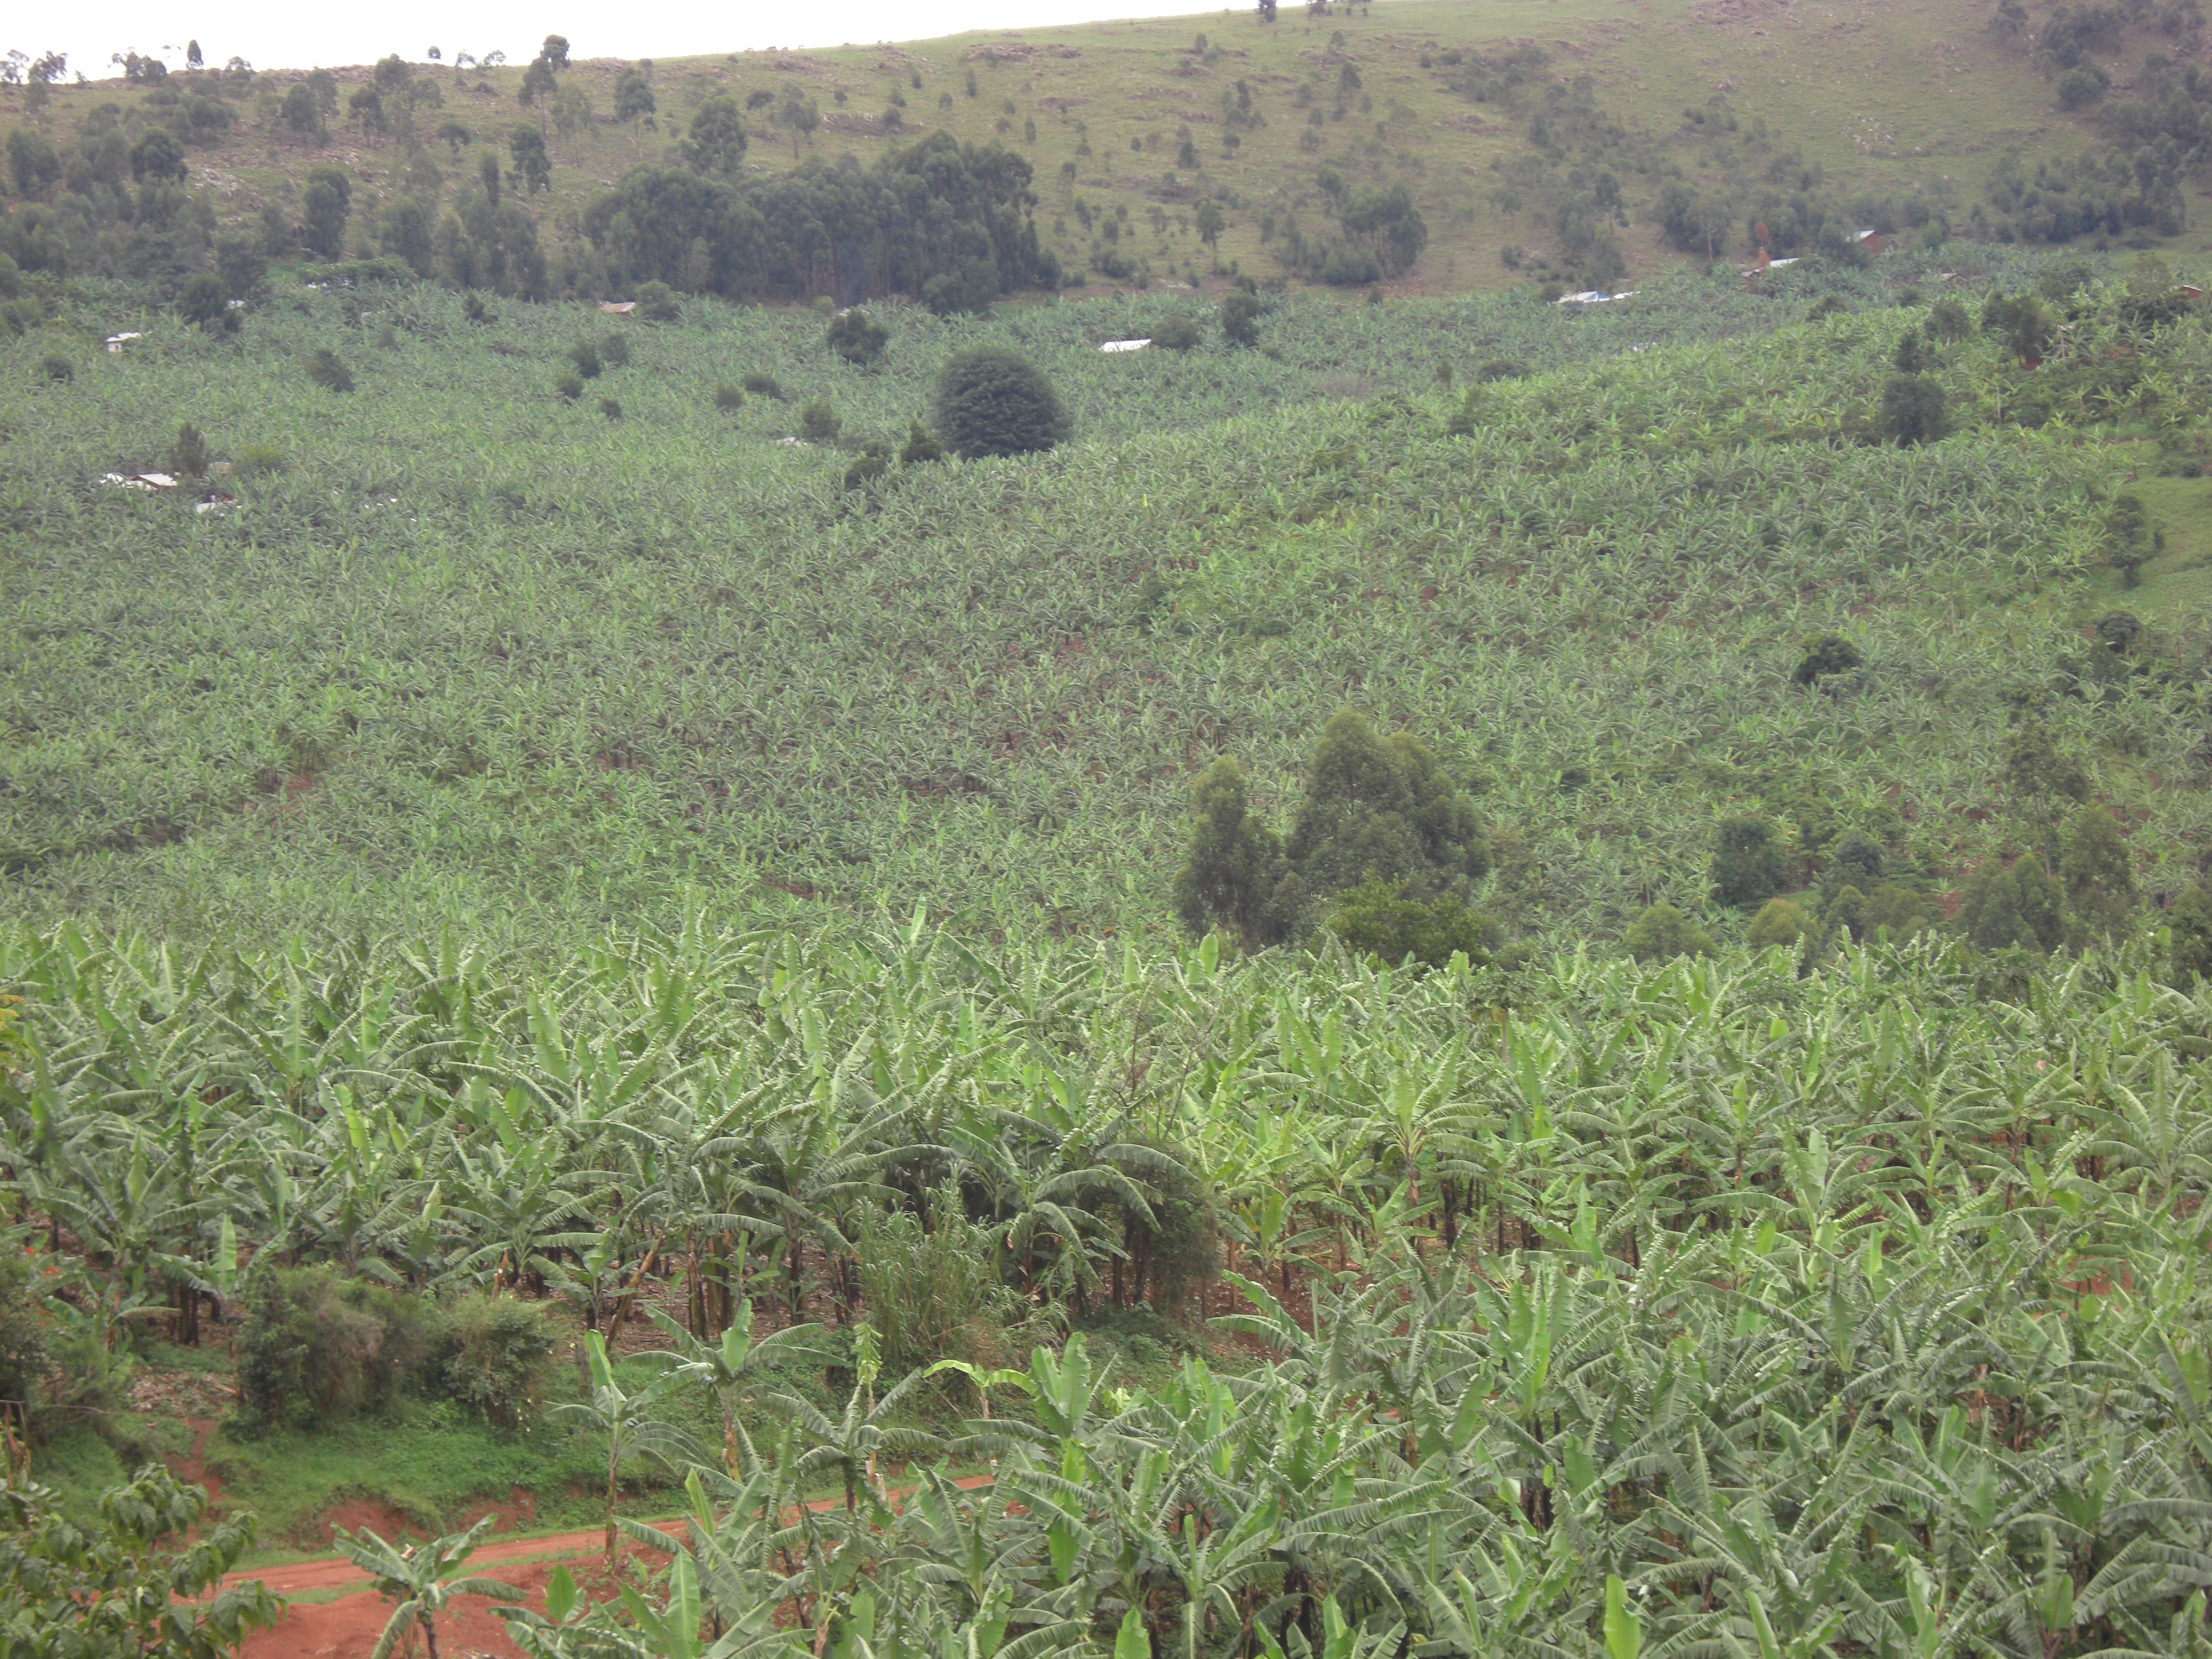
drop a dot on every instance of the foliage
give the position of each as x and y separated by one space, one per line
2099 878
1376 919
818 424
1235 863
1827 654
1176 334
321 1347
188 454
857 338
419 1582
2017 904
1913 411
325 369
118 1587
1780 922
993 401
2190 955
498 1347
1747 867
1661 932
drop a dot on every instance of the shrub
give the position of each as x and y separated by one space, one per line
188 455
56 366
254 459
1825 654
2098 876
1376 919
933 1288
818 424
203 303
124 1579
1913 411
474 308
1240 319
1662 932
857 338
497 1347
319 1347
763 385
22 1338
1747 863
1826 307
1176 334
2023 905
325 369
585 356
1779 922
615 349
568 387
868 466
2189 947
921 446
1948 320
657 303
611 408
992 402
728 398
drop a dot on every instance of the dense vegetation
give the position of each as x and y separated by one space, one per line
459 649
1706 1304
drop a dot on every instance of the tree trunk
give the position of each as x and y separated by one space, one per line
612 1466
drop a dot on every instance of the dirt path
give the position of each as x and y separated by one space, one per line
347 1627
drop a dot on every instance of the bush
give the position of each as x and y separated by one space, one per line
474 308
933 1292
818 424
1779 922
991 402
1240 319
1176 334
611 408
2023 905
585 356
497 1347
319 1347
1747 863
656 303
188 455
1825 654
568 387
325 369
921 446
1375 918
763 385
22 1338
1948 320
253 459
857 338
868 466
1913 411
1826 307
728 398
1662 932
2189 948
55 366
614 350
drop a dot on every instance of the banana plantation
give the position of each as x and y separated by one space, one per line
459 650
1589 1309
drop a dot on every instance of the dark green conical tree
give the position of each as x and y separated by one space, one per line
2189 947
2100 878
1747 863
1235 861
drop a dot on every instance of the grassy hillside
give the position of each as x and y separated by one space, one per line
460 647
1916 103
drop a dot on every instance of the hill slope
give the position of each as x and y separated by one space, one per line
1798 111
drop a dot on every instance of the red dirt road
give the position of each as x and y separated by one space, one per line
346 1628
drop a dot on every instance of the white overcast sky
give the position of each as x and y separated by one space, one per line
302 33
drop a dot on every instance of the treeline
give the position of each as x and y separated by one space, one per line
947 223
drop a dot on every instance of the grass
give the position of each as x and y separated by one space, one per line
1896 98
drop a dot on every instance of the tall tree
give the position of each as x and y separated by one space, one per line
1235 863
